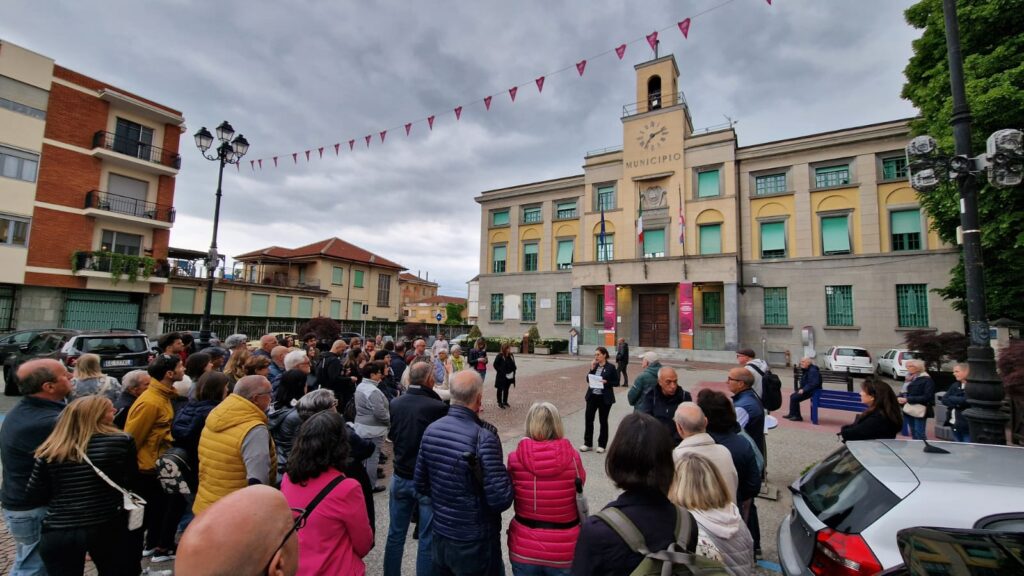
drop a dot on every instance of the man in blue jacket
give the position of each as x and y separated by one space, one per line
461 467
810 382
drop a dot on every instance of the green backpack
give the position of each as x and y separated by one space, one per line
671 561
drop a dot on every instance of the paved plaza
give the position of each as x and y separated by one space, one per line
792 447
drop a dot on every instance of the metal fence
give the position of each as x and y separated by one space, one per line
254 327
709 338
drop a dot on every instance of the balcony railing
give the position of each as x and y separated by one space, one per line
127 265
136 149
653 104
129 206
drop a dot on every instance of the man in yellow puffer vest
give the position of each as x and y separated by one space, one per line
236 448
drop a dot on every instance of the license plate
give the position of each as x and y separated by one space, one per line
110 363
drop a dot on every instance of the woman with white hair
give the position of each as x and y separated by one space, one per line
918 399
90 380
457 359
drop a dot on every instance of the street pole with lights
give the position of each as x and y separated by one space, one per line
1004 164
230 151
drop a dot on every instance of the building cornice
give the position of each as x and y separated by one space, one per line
893 129
533 188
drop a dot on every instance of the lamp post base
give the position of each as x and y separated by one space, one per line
985 395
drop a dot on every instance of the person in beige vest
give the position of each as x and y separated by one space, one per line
692 425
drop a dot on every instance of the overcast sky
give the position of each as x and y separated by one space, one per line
298 75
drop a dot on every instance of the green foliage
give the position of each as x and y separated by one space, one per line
1011 368
992 43
534 334
453 314
325 329
475 333
117 264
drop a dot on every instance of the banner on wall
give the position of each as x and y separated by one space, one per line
610 311
686 315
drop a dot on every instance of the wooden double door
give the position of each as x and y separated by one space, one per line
654 321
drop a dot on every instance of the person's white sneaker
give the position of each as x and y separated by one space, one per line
584 448
600 450
148 552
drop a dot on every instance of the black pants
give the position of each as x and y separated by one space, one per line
794 402
474 558
503 395
163 512
623 379
753 524
596 405
109 544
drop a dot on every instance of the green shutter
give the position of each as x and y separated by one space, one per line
282 306
835 235
305 308
564 258
912 305
776 307
336 309
357 311
707 184
600 307
338 275
217 302
711 239
500 218
358 279
654 243
258 304
498 258
773 237
906 222
183 300
839 305
711 307
529 249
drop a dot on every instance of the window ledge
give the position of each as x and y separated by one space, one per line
913 328
904 180
837 187
527 321
494 226
567 323
495 321
841 327
755 196
710 198
703 325
775 327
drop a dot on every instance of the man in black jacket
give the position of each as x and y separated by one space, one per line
46 385
329 374
622 361
662 400
810 382
411 413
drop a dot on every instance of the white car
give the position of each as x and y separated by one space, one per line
848 358
893 362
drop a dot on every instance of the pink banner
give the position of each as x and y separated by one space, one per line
686 315
610 313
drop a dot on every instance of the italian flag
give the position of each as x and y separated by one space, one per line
640 226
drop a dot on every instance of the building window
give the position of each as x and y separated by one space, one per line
356 312
499 218
773 240
497 307
18 165
13 230
565 210
912 305
711 304
336 309
529 307
710 238
769 184
835 235
259 304
383 290
531 257
337 275
357 278
905 227
776 307
305 307
133 139
564 255
894 168
121 243
532 215
23 98
600 308
707 184
282 306
839 305
605 198
654 243
498 254
183 300
563 306
605 251
828 176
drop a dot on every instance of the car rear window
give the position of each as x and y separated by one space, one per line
844 495
910 356
112 345
852 352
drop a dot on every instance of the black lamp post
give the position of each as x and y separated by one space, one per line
1003 162
230 151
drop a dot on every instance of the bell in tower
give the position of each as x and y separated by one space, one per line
654 92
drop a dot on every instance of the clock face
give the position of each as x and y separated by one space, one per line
652 136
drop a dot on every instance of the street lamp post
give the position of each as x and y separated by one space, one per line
1003 163
230 151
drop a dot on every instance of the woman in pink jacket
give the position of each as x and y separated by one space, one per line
544 470
337 534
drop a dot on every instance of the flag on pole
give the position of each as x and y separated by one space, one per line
640 225
601 238
682 227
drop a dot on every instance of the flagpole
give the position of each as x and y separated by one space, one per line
682 227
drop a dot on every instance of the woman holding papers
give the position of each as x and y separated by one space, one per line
601 382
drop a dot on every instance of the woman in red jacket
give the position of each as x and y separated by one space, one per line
544 470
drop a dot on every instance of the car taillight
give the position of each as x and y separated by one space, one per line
70 361
838 554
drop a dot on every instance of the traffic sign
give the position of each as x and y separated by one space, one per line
439 316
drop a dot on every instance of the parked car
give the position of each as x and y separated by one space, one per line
943 551
848 358
848 509
893 362
11 342
44 344
461 340
120 352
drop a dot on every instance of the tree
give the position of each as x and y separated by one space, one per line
934 348
992 42
453 313
326 330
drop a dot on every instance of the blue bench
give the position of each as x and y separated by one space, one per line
836 400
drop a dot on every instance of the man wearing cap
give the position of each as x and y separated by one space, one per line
747 358
646 381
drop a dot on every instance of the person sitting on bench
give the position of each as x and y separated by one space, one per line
810 382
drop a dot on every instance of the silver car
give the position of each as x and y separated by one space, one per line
848 509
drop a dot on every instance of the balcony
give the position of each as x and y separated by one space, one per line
109 206
654 103
134 153
119 267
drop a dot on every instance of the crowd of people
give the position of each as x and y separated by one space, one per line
180 461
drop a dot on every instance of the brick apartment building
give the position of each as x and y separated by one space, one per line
87 174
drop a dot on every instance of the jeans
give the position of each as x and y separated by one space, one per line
964 436
374 459
473 558
596 405
64 550
401 502
520 569
917 426
25 527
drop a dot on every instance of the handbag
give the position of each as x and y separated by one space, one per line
171 469
134 505
915 410
582 506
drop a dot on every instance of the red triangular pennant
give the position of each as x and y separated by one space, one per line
512 92
487 102
383 133
684 27
307 155
321 150
621 51
275 161
769 2
368 138
580 66
295 157
260 162
252 164
652 39
540 84
336 146
458 112
351 144
408 127
430 122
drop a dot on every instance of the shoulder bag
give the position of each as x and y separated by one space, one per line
582 506
134 505
915 410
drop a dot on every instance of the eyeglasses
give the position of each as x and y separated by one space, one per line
299 524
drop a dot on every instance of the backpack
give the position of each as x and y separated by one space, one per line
771 389
676 559
171 469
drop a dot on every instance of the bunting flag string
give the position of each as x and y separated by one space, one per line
683 26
